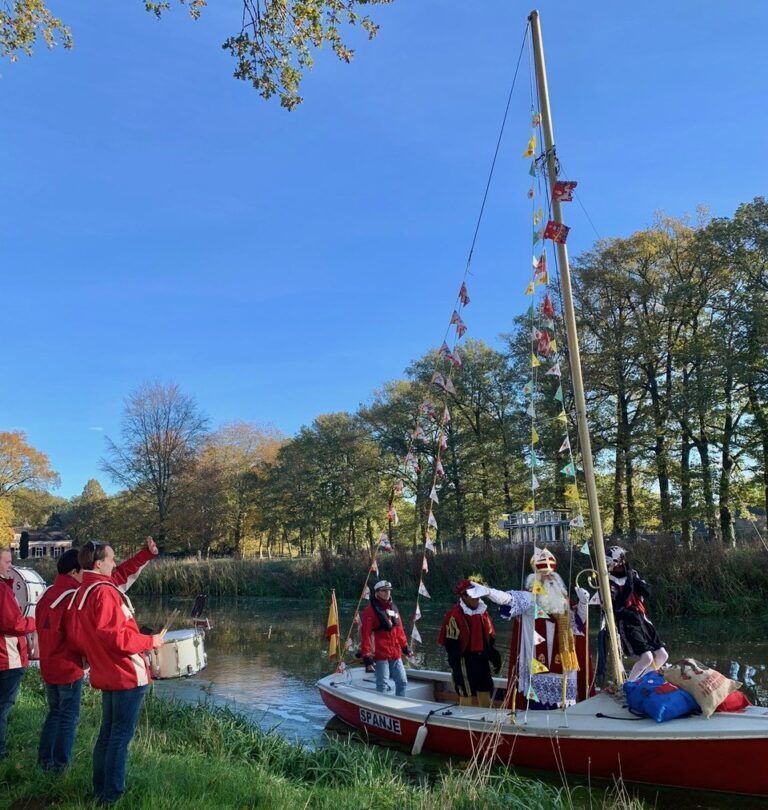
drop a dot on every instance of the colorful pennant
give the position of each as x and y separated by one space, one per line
556 231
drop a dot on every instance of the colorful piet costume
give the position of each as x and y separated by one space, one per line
468 635
548 653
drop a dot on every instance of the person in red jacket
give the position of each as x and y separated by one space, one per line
13 645
103 627
468 636
61 663
383 641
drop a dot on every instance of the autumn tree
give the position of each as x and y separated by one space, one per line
21 465
272 46
162 431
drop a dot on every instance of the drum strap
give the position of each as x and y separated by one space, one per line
60 598
111 584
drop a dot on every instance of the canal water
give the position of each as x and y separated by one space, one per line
265 655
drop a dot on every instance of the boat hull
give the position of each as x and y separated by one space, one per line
642 753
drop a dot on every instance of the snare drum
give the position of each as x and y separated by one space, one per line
182 654
28 587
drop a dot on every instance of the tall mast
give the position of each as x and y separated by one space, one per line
573 352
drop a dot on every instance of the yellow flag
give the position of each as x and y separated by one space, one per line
543 278
537 667
572 492
538 216
535 361
534 436
529 289
531 149
529 507
553 345
537 587
561 417
332 628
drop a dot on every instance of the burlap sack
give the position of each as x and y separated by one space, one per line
707 686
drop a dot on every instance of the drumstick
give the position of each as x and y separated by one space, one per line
169 623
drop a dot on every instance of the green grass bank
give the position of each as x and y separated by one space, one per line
710 581
194 757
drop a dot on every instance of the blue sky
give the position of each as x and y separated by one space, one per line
160 221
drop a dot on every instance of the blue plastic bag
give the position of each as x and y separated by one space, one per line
637 691
664 704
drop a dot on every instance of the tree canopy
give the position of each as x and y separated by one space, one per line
272 46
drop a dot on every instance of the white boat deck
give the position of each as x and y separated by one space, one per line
602 716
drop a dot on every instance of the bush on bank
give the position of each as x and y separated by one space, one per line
709 581
193 756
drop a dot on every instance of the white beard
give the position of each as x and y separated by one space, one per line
555 596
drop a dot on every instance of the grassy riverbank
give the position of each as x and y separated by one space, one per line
194 757
711 581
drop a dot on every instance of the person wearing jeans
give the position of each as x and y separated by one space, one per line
13 645
61 662
120 712
103 627
383 640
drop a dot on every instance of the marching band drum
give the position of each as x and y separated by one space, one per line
28 587
183 654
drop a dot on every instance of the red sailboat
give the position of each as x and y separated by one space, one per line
598 737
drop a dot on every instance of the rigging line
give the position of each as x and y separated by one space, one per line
496 152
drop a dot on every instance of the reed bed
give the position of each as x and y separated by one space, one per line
195 756
710 581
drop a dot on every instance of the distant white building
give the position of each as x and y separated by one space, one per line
43 542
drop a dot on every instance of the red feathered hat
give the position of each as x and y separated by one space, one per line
463 586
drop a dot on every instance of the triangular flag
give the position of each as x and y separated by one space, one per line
529 290
571 492
535 361
531 695
529 507
561 417
538 216
463 296
530 150
392 515
442 441
375 567
577 522
430 544
535 121
595 600
530 410
417 613
537 668
530 193
566 445
569 469
423 591
534 481
424 566
537 236
532 170
439 469
559 394
553 345
438 379
538 639
585 548
540 613
446 415
433 496
399 487
528 388
366 592
431 520
534 436
384 542
449 386
537 588
555 371
415 634
443 350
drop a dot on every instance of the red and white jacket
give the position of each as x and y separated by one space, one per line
61 661
103 627
13 629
